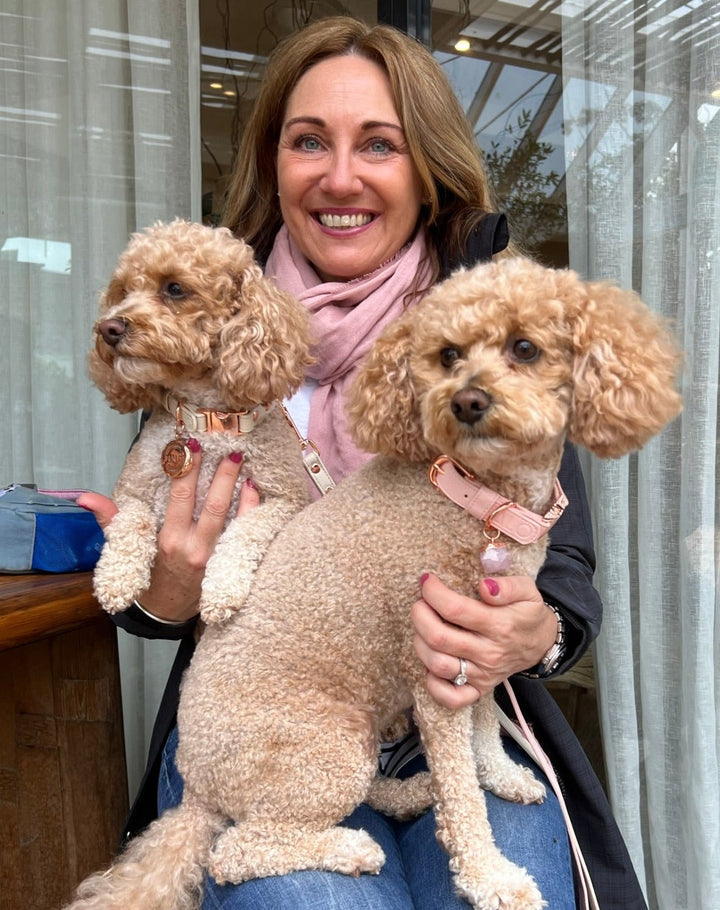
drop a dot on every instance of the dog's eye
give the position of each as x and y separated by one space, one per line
524 351
449 356
174 290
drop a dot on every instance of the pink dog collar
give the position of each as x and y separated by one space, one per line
496 511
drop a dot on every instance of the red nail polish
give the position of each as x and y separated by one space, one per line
251 483
236 457
423 578
193 444
492 586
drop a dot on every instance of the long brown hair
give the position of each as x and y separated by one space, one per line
440 139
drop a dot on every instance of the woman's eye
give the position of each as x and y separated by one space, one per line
380 146
449 356
174 290
524 351
309 143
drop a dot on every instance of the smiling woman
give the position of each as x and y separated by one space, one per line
349 190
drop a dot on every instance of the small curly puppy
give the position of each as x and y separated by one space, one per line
281 707
190 328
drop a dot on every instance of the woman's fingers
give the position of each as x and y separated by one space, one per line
211 519
440 645
184 544
249 497
447 693
181 501
103 508
497 635
179 524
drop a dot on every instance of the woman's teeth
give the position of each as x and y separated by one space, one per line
344 221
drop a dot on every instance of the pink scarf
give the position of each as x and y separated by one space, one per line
347 317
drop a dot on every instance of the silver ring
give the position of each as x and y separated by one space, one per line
461 678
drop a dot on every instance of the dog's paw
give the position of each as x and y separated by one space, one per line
214 613
222 598
118 581
514 783
224 592
240 854
499 886
123 571
351 852
402 799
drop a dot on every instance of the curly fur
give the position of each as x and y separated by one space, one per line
200 321
280 708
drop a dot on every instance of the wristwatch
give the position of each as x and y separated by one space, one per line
555 653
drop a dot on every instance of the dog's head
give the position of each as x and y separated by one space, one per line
188 307
502 361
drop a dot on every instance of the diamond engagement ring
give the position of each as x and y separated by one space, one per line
461 678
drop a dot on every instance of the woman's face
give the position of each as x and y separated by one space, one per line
350 194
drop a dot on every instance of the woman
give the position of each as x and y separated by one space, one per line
360 185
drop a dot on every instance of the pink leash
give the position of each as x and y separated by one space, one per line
524 737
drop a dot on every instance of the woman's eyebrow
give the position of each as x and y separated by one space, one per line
318 121
374 124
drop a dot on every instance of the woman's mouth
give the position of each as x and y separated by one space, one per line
330 220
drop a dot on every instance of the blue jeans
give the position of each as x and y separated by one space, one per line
416 875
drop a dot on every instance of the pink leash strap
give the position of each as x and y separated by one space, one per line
524 737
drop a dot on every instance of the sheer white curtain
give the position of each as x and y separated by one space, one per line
643 185
98 124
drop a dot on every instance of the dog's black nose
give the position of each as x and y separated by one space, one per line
469 405
112 330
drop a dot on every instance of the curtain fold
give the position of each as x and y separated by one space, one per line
643 187
98 138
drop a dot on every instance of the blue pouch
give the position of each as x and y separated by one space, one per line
46 531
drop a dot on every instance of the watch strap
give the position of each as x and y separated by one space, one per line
554 654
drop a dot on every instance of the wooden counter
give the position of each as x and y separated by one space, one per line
35 606
63 789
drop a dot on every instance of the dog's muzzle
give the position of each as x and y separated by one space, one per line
112 330
469 405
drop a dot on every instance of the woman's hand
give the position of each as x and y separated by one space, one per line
103 508
184 545
508 630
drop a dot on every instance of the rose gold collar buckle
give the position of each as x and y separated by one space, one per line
235 422
437 468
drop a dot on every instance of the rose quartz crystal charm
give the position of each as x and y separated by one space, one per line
495 560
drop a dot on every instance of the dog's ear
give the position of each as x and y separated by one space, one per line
263 349
382 409
625 370
122 395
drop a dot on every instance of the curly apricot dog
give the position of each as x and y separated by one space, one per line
190 328
281 706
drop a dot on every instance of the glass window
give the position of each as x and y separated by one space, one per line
504 62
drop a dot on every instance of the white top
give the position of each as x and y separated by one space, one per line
299 406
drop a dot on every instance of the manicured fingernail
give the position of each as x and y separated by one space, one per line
251 483
193 444
492 586
423 578
236 457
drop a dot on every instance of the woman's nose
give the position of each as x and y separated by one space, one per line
341 177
